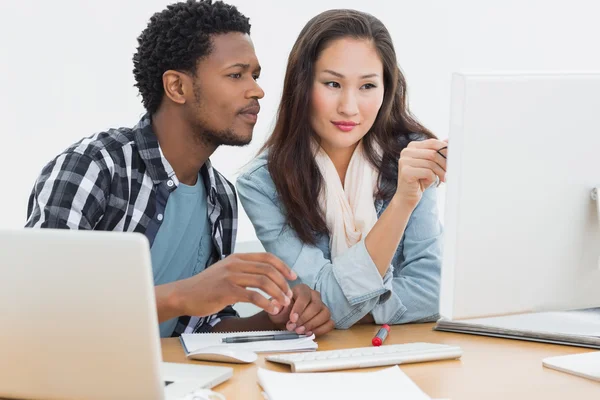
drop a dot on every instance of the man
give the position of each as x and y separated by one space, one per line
196 71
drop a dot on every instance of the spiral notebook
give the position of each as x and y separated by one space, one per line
194 341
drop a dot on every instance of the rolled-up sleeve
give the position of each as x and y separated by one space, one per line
350 285
417 268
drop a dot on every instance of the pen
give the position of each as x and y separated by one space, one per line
381 335
246 339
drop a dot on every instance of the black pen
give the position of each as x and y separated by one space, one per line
260 338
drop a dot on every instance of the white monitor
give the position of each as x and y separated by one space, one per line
78 320
522 231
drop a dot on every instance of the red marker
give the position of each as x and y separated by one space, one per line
381 335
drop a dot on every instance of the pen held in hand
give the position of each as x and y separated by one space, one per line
260 338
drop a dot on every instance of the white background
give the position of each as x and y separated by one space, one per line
65 66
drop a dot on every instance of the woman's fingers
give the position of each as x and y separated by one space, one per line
425 154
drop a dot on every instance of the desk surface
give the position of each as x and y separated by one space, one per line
490 368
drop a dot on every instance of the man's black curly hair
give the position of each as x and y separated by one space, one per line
177 38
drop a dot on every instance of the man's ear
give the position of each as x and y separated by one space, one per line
177 85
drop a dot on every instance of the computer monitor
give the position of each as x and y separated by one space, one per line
522 230
78 320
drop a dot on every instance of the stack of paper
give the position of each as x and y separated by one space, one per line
390 383
195 341
577 327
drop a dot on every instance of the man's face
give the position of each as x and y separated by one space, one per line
225 106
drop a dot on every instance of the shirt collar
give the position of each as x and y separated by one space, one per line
157 165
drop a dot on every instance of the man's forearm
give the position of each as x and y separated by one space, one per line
257 322
167 304
367 319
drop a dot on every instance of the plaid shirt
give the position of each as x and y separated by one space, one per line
120 181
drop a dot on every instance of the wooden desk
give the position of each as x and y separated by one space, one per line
490 368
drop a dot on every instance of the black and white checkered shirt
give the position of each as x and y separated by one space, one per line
120 181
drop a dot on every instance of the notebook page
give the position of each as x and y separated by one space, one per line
195 341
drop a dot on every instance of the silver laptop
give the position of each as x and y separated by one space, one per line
78 320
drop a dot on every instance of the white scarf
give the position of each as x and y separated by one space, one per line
349 209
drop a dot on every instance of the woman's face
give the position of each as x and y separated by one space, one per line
347 93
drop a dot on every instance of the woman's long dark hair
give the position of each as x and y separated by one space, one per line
290 159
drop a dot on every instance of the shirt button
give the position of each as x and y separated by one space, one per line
159 217
170 183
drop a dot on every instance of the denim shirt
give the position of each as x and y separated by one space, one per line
350 285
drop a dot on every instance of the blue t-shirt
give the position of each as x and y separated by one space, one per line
183 244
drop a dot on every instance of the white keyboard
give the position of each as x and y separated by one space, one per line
364 357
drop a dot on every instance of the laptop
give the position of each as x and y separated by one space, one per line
78 320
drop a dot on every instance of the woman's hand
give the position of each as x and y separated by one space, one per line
307 314
421 164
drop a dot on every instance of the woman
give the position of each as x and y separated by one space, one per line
344 189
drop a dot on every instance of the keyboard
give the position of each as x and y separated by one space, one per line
365 357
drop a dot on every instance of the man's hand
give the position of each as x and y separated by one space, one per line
280 320
226 282
306 314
